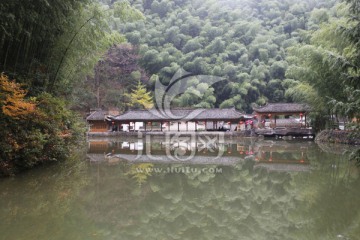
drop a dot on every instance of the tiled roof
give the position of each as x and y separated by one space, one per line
97 115
283 108
183 114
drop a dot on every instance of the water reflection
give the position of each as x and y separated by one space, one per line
265 190
272 190
273 155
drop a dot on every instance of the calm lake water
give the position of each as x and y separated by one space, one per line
194 188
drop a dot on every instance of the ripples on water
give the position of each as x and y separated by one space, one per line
195 189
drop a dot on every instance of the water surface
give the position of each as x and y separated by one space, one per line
195 189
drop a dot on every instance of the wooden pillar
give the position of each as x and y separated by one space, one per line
187 126
305 120
196 126
150 126
178 126
270 116
301 117
161 126
275 119
145 126
169 125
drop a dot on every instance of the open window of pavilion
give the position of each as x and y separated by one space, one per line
288 115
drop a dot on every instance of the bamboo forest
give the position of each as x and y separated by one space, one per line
179 119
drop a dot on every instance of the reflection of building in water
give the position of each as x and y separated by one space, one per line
98 146
203 150
282 156
245 150
273 155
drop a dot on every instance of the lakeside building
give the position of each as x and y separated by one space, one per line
179 120
98 120
275 115
273 119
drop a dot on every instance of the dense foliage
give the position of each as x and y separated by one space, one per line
49 47
33 131
114 76
242 41
325 67
266 50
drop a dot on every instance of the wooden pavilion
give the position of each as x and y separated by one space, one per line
283 115
98 120
190 120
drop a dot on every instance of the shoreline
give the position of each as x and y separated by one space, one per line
339 136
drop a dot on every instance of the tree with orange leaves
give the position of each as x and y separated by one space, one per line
13 102
33 131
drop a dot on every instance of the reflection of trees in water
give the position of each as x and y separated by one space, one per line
39 202
140 172
241 202
329 195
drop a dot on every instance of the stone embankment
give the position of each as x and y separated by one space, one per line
339 136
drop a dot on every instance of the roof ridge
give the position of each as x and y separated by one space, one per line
91 114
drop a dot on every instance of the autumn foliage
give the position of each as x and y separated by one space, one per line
13 102
33 130
140 98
